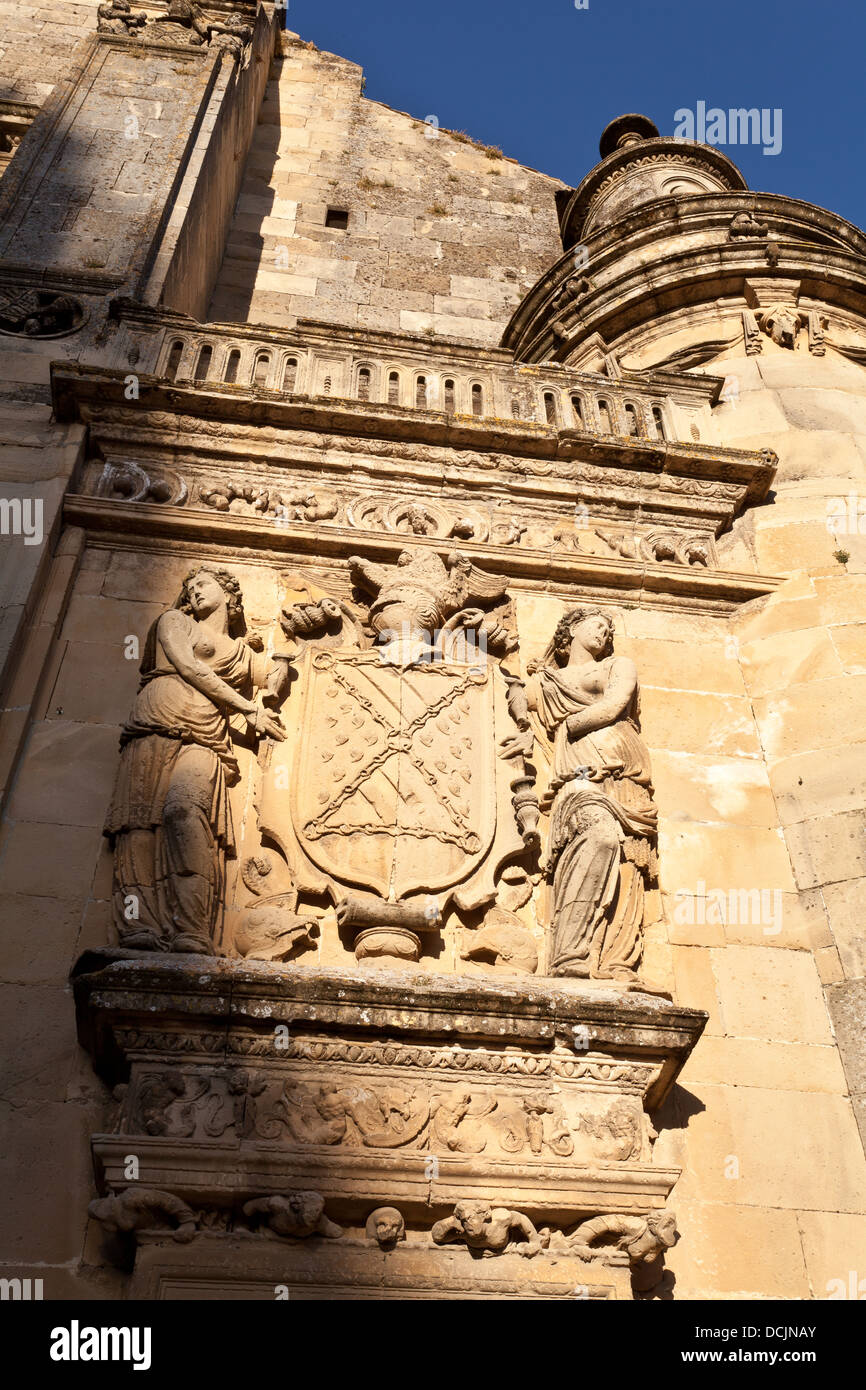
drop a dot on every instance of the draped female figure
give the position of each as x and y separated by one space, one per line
601 848
170 821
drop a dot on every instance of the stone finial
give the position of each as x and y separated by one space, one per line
630 129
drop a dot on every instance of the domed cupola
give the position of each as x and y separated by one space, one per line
670 261
639 166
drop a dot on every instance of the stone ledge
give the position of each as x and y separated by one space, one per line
223 998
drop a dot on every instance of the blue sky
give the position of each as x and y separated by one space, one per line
542 79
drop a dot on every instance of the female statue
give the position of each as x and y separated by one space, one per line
170 820
602 816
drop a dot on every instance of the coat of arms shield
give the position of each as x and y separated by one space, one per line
393 787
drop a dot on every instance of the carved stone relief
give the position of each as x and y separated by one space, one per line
487 1230
250 499
746 225
135 484
484 1229
184 25
169 821
144 1208
582 1120
660 547
396 800
600 845
643 1240
31 313
118 17
294 1216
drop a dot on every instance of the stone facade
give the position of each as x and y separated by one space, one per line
433 695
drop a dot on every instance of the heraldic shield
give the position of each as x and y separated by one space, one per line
395 786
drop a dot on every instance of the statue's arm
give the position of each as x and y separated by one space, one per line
367 573
609 707
445 1230
521 1223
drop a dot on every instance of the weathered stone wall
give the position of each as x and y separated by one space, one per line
443 237
131 164
803 657
761 1116
754 722
36 44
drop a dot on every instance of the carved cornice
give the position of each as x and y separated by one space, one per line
618 581
311 477
224 998
79 392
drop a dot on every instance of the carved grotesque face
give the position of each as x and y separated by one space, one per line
663 1224
329 1105
205 594
102 1209
593 633
307 1207
388 1228
473 1217
783 326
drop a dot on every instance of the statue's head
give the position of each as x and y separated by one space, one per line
663 1225
386 1226
473 1216
205 589
102 1210
330 1103
307 1207
593 626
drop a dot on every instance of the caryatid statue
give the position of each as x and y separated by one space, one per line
170 821
601 846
